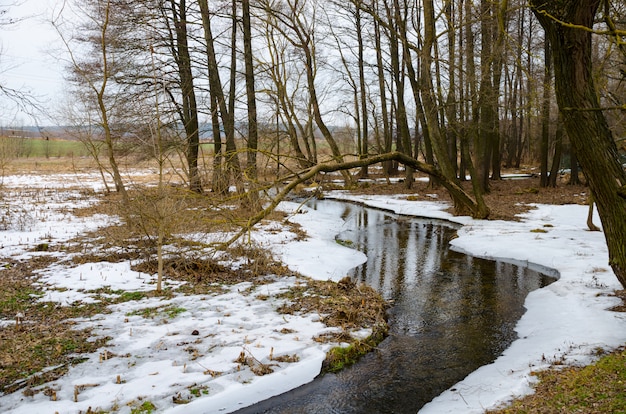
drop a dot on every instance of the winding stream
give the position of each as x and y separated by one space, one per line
452 314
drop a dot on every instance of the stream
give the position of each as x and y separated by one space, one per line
451 314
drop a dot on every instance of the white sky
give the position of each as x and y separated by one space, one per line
26 61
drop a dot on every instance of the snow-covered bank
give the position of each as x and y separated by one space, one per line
167 352
565 321
186 348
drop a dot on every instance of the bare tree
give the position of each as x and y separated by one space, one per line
94 73
175 18
253 135
283 86
296 22
218 99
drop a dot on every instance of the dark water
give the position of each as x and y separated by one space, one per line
452 314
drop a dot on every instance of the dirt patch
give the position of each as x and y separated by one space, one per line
621 307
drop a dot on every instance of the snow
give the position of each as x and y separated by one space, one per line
566 321
187 346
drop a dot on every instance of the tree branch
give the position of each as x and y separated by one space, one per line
308 174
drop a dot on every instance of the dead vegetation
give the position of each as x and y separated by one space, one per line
42 343
595 389
344 305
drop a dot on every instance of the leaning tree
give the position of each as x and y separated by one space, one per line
569 27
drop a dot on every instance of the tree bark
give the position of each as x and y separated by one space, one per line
215 86
363 94
568 26
545 115
179 46
556 158
387 136
253 136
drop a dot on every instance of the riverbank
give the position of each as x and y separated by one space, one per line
155 359
570 322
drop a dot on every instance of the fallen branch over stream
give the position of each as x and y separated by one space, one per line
464 203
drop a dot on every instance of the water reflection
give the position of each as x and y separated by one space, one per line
452 313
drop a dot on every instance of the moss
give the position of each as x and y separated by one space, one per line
339 357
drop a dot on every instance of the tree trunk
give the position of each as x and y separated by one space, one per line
387 138
363 144
545 115
398 57
189 112
452 108
253 136
468 205
232 157
219 184
574 178
558 151
215 87
430 110
104 111
499 51
583 119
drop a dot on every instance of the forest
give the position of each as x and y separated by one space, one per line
455 89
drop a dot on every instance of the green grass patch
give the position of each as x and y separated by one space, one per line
339 357
128 296
42 148
145 407
597 388
169 311
17 299
345 243
107 296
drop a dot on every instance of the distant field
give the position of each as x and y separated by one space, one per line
12 147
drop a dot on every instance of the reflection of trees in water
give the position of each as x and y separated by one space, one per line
452 313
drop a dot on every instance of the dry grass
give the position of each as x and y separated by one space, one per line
42 337
594 389
46 338
345 305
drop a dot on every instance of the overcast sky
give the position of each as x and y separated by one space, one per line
26 61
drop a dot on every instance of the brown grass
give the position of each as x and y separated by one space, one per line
42 336
595 389
345 305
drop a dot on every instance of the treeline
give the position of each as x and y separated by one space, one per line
451 82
